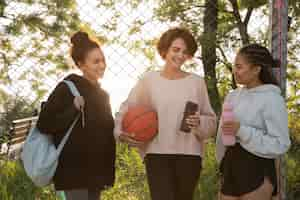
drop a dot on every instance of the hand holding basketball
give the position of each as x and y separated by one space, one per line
125 137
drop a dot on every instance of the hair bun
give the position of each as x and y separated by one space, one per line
79 37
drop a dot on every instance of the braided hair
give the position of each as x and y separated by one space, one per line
258 55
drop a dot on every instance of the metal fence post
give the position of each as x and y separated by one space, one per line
279 29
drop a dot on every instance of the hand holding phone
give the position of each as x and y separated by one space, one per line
190 109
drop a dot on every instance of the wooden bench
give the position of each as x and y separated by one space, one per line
17 135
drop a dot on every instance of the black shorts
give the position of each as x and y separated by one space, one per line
243 172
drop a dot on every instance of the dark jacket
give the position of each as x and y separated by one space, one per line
88 157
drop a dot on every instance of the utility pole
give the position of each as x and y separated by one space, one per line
279 30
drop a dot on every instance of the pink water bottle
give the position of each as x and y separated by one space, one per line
228 138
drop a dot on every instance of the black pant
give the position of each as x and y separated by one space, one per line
172 177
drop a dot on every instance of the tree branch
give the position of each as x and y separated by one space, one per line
248 15
235 10
227 65
4 58
241 25
225 61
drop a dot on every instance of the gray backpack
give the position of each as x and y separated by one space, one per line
39 154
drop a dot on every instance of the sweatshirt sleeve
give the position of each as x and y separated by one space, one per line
58 112
273 141
220 147
207 115
137 94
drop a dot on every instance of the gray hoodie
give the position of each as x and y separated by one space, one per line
263 119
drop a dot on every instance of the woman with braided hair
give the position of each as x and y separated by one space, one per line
260 127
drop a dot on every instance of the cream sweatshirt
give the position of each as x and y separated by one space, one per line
168 98
263 119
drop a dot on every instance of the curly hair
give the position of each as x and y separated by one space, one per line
172 34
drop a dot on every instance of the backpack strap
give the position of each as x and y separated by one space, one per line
75 92
72 87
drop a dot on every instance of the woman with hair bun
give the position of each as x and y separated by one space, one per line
87 162
260 127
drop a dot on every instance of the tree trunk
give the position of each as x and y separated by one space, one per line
209 57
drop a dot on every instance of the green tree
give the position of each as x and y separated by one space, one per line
33 34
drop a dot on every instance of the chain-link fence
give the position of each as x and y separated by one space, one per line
35 41
38 39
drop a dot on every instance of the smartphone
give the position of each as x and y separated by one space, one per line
190 109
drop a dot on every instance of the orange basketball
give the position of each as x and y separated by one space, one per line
141 122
